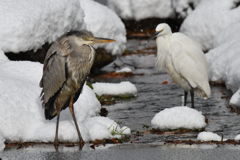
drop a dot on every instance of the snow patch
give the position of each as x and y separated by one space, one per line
27 25
208 136
142 9
111 27
209 19
114 88
103 127
179 117
2 145
125 69
237 138
21 114
235 99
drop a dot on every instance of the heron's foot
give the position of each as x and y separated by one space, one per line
56 144
81 144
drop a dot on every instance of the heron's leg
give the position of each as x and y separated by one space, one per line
58 115
81 142
192 97
185 98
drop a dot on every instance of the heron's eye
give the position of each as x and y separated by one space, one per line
85 38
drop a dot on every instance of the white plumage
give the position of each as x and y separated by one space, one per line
184 61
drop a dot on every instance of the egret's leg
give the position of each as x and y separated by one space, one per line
81 142
58 115
185 98
192 97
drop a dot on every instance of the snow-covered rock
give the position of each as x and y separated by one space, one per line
178 117
209 19
208 136
21 114
27 25
114 88
103 127
237 138
125 69
103 22
235 99
142 9
2 145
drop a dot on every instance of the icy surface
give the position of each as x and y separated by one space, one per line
209 19
27 25
178 117
21 114
208 136
114 88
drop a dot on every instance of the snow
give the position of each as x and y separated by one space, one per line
209 19
178 117
22 117
235 99
27 25
141 9
237 138
110 27
125 69
208 136
121 88
103 127
2 145
183 7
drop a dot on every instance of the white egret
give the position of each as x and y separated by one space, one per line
184 61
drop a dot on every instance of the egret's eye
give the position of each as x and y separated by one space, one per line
160 31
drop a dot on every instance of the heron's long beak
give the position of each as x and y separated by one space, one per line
153 36
98 40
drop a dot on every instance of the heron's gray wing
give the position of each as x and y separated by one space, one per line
54 74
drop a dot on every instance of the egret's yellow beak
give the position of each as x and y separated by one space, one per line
153 36
98 40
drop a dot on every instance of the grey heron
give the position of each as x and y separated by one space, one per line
184 61
66 67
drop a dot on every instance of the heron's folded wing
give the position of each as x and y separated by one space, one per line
54 72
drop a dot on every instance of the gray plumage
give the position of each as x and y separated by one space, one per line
61 75
66 67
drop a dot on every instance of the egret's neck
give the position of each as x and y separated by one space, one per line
163 50
163 42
